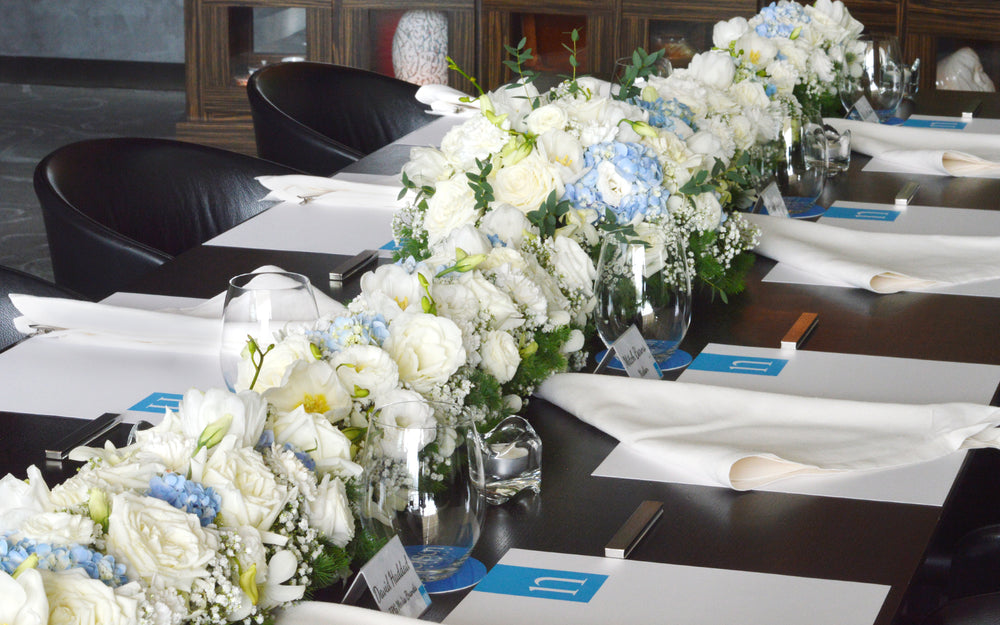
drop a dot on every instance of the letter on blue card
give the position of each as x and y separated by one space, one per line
525 581
158 402
864 214
723 363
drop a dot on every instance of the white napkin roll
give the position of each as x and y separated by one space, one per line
926 150
447 101
878 261
746 439
321 613
190 329
300 188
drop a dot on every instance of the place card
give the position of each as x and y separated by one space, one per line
393 582
865 111
770 198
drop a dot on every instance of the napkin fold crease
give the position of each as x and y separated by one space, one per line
747 439
878 261
300 188
447 101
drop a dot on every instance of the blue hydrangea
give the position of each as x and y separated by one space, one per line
303 457
360 329
665 113
187 495
96 565
780 20
642 193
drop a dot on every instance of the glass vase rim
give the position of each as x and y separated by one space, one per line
300 279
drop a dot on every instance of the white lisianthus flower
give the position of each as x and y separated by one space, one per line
500 306
286 351
427 349
366 370
314 435
611 184
452 206
75 598
313 386
500 355
476 138
467 238
758 52
546 118
724 33
59 528
22 499
24 601
714 68
514 100
200 409
573 264
527 183
404 419
159 544
392 283
563 150
506 222
427 166
330 512
249 492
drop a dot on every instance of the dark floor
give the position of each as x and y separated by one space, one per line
36 119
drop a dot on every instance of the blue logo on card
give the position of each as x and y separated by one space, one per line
524 581
935 123
865 214
738 364
391 246
158 402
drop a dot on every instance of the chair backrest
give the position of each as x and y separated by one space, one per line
319 117
116 208
15 281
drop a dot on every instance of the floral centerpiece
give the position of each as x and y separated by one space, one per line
240 502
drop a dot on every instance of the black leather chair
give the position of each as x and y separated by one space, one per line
14 281
320 118
115 209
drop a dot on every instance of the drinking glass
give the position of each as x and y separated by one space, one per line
423 481
258 305
879 77
645 284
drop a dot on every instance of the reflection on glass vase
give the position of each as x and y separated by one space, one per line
647 284
423 481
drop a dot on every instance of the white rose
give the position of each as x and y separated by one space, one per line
507 223
573 264
313 386
427 349
109 478
714 68
59 528
249 492
330 512
750 93
452 206
427 166
286 351
395 284
527 183
467 238
545 118
366 370
75 598
500 355
24 601
200 409
163 546
725 33
314 435
22 499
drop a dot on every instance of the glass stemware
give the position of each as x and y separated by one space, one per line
645 284
258 305
877 74
423 481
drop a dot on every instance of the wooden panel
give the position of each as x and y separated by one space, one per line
878 16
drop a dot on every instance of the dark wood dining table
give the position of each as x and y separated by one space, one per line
903 546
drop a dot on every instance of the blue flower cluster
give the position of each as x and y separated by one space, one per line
186 495
634 172
781 20
59 558
360 329
665 113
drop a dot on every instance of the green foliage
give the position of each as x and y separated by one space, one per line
488 393
329 567
642 66
453 66
479 183
711 273
549 215
521 56
543 362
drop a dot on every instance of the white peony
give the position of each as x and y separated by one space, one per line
75 598
159 544
59 528
314 435
500 355
724 33
24 601
714 68
249 492
527 183
546 118
22 499
452 206
330 512
313 386
427 349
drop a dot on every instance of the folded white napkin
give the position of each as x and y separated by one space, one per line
321 613
878 261
330 191
447 101
746 439
190 329
926 150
